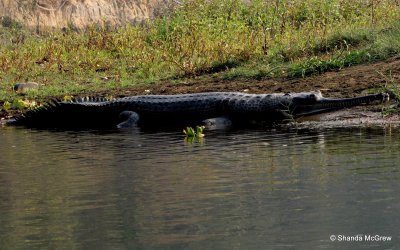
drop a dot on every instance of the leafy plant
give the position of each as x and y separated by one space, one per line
18 104
6 106
191 132
67 98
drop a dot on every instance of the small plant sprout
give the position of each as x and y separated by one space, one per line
67 98
6 106
194 133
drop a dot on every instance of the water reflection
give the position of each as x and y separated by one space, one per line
237 190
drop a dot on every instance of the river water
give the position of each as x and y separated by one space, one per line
246 189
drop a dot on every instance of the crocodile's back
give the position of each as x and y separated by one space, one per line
201 103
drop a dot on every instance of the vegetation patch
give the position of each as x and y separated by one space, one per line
234 39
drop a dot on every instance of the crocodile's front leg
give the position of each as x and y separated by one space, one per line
129 119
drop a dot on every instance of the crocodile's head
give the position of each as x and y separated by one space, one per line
307 103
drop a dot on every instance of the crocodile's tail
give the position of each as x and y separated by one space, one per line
76 113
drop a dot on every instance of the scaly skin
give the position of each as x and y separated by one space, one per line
187 109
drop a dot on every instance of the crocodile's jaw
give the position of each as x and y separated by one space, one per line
321 104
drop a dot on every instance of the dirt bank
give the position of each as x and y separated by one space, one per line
346 82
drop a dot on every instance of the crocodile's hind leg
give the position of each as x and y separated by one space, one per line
129 119
218 123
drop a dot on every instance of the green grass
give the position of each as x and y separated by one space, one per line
230 38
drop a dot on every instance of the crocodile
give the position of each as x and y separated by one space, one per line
185 109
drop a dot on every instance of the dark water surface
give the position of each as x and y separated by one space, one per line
253 189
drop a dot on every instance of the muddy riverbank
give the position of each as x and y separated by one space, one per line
348 82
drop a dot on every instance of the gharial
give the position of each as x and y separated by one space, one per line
185 109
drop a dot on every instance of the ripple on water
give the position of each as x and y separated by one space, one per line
235 189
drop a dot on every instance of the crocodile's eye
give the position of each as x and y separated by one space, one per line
305 99
313 97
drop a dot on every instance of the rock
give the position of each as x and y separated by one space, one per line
25 87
